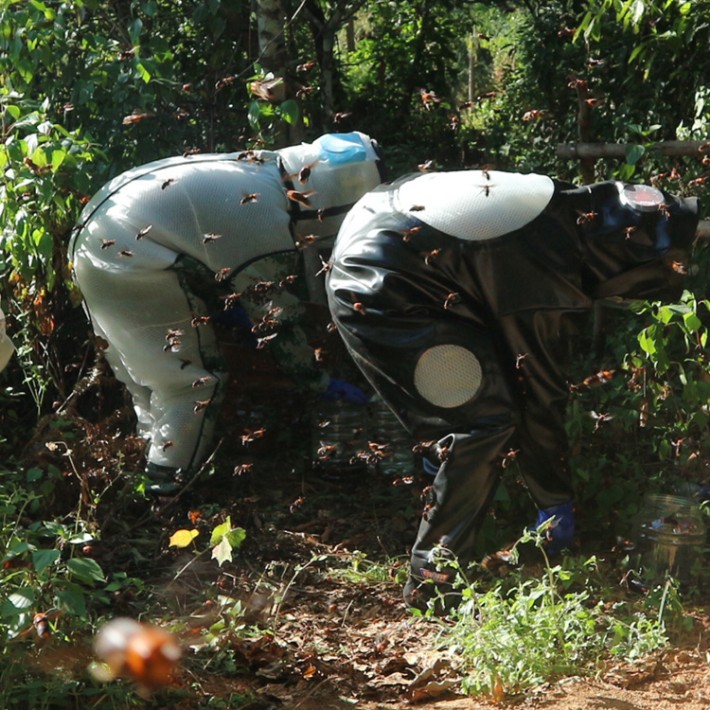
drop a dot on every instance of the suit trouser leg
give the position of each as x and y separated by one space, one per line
165 360
412 361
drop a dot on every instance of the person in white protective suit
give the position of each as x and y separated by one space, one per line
6 346
151 237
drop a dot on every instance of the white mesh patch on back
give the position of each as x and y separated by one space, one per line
475 205
447 375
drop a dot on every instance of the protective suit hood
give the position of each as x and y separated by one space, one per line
636 239
332 173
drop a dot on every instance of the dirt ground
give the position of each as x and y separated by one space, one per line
341 642
335 640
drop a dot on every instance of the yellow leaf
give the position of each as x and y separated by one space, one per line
182 538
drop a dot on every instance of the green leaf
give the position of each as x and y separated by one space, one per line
143 72
58 157
39 157
49 14
72 601
665 314
692 323
647 344
289 111
254 114
17 602
638 51
19 548
86 570
220 531
236 537
634 153
135 29
222 552
34 474
41 559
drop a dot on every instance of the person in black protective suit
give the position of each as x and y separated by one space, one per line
458 295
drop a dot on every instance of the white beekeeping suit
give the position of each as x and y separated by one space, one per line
148 235
6 346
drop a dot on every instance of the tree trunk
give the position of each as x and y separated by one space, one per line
273 56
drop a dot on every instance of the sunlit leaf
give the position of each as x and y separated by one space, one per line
220 531
182 538
17 601
236 536
222 552
289 111
692 322
143 72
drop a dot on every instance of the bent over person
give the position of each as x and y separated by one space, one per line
152 238
458 295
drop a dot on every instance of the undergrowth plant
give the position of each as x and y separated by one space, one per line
512 634
642 425
362 570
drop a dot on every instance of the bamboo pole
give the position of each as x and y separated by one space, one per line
580 151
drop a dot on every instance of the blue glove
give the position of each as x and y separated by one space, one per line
340 390
237 319
561 532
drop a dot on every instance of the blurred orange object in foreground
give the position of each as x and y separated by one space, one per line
141 652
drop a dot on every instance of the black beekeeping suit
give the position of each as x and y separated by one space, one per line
458 295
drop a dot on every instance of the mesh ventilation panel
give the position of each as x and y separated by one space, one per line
447 375
476 205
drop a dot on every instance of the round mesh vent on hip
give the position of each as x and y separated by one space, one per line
447 375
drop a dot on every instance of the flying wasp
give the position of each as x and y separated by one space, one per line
586 217
407 234
450 299
249 197
301 198
431 256
142 232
